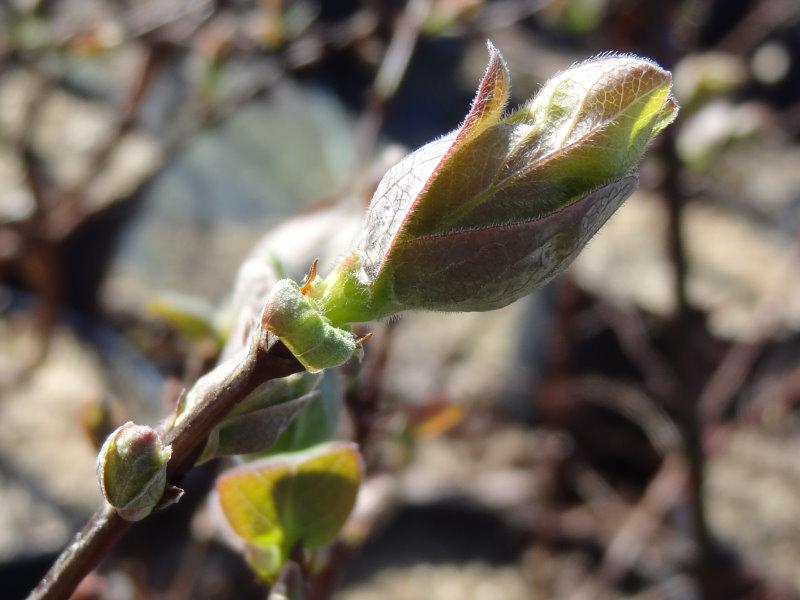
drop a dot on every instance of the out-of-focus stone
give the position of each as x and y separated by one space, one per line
771 63
499 473
47 472
733 262
67 133
205 212
472 581
18 89
765 178
16 202
753 501
132 161
416 546
715 127
465 356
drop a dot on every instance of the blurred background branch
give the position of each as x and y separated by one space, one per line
629 432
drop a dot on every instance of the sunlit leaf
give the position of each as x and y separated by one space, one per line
492 211
192 316
284 500
317 422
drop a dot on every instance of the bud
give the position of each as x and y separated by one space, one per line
490 212
295 318
485 215
132 470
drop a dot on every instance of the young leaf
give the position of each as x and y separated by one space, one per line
192 316
255 431
478 213
490 212
260 419
284 500
318 421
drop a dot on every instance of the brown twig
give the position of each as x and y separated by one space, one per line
632 335
391 72
685 399
128 113
664 26
631 403
626 547
763 17
265 360
740 359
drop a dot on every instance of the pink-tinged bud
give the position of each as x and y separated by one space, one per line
132 470
495 209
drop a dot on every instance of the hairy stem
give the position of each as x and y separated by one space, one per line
265 360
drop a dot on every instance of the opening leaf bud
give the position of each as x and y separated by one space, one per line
488 213
132 470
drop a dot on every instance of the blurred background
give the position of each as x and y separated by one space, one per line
630 431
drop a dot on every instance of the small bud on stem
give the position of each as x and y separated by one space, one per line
132 470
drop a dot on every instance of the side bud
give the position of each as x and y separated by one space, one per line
132 470
294 317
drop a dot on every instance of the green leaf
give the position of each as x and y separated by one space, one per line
284 500
191 316
317 422
276 391
256 431
486 213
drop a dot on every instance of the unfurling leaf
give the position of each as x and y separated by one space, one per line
490 212
495 209
278 502
266 414
255 431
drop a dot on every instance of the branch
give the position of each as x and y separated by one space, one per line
390 73
266 359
